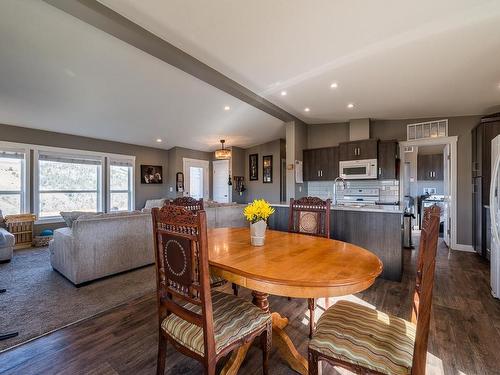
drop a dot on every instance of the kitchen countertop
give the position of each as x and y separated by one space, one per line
376 208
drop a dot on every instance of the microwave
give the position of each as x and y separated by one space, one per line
358 169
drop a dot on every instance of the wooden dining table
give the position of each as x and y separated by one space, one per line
290 265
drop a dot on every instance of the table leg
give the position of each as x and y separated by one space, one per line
281 340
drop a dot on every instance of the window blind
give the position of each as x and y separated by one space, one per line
71 159
11 155
121 163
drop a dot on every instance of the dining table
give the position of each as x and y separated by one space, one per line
289 265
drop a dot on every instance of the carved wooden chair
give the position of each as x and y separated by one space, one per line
368 341
203 324
196 205
310 215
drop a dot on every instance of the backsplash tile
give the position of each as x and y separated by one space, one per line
388 189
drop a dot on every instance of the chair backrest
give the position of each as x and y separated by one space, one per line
310 215
190 203
182 267
422 297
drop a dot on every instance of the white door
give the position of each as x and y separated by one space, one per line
222 191
495 219
196 183
447 194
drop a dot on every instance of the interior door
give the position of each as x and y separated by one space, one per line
221 189
196 178
446 163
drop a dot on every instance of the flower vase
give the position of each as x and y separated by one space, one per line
258 233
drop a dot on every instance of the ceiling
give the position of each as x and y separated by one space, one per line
60 74
390 58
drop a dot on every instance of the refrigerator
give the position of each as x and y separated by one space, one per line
495 217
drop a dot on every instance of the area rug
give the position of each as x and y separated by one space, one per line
39 300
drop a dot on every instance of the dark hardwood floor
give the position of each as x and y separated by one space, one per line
464 339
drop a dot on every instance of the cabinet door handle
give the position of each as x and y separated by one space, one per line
380 171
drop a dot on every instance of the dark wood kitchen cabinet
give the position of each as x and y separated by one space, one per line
358 150
321 164
430 167
481 137
388 163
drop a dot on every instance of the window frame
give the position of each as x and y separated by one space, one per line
69 153
25 171
131 184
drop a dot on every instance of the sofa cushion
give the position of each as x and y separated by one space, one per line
152 203
7 239
365 337
233 317
70 216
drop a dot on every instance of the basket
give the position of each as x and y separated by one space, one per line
41 241
21 226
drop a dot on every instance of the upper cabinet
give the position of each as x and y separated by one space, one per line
388 166
321 164
358 150
430 167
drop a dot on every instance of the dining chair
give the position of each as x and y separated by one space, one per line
196 205
202 324
368 341
311 216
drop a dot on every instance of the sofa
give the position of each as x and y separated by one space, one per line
100 245
7 242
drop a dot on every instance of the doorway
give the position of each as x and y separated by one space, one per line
430 177
221 187
196 178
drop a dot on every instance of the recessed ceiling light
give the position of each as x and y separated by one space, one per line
227 108
283 93
307 109
158 140
334 85
350 105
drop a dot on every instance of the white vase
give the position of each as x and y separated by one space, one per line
258 233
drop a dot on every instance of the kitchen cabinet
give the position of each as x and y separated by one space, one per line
388 160
358 150
321 164
430 167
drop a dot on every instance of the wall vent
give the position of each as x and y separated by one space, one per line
430 129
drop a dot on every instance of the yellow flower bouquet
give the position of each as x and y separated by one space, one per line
258 210
257 214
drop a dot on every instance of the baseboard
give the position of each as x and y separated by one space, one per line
461 247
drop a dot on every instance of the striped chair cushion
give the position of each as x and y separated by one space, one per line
366 337
234 318
216 281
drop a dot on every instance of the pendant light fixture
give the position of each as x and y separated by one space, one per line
223 153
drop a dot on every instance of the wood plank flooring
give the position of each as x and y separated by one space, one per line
464 339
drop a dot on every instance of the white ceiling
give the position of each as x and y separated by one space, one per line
60 74
391 58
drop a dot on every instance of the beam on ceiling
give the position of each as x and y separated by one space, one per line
103 18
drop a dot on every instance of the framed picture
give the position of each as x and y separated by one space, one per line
151 174
253 165
267 169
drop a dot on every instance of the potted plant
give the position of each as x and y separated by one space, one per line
257 214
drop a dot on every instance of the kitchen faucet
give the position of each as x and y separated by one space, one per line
335 188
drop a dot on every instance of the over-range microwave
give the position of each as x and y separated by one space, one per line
358 169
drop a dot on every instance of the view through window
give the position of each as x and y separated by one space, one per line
68 184
12 182
120 185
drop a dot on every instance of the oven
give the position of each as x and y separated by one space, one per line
358 169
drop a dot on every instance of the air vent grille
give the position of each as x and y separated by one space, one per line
430 129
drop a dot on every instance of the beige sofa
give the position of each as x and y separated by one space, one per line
101 245
7 242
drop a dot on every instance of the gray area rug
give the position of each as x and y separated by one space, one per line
39 300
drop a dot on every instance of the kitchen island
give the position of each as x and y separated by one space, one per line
376 228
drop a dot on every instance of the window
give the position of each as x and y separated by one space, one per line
121 185
68 183
12 182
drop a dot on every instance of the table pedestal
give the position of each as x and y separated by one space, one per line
281 340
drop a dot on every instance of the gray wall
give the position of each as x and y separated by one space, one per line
257 189
238 167
325 135
143 155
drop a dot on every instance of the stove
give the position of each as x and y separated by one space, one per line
357 196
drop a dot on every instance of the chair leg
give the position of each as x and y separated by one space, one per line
210 368
312 305
289 298
235 289
266 344
312 360
162 354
